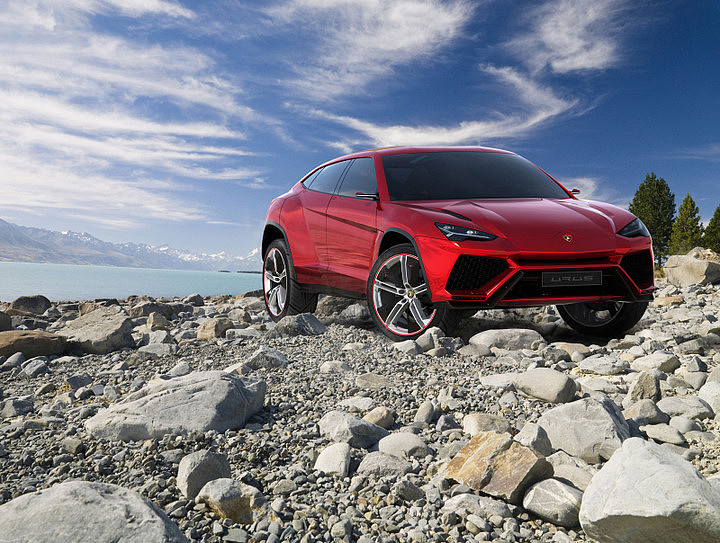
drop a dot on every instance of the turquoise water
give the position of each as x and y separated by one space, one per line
63 282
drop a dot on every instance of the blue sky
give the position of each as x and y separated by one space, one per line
176 122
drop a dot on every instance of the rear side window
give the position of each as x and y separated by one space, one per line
360 177
326 179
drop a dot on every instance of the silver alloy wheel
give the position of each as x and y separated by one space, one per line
594 314
275 281
398 289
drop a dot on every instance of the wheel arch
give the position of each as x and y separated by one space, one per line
271 232
395 236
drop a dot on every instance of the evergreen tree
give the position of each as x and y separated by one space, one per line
654 205
711 237
686 230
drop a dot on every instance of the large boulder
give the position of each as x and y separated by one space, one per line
198 402
198 468
5 322
497 465
305 324
214 328
546 384
345 428
648 493
698 267
85 511
589 428
31 343
555 501
507 338
103 330
37 305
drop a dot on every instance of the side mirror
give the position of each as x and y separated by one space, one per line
574 191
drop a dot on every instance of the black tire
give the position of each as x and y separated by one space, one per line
282 293
605 319
399 299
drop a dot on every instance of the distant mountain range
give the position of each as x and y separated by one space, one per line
24 244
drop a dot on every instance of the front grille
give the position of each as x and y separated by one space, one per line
639 266
472 272
530 287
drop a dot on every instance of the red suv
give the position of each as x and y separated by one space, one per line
425 234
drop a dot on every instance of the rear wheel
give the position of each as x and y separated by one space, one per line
283 294
604 319
399 297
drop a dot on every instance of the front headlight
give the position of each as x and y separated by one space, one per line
462 233
634 229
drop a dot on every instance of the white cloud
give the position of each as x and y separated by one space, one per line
536 105
595 189
363 40
96 125
571 35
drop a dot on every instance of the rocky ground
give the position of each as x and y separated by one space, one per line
324 430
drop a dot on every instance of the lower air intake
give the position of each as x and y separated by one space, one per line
639 266
472 272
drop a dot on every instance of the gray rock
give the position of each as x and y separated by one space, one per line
407 491
546 384
589 428
372 381
570 470
334 366
474 423
345 428
554 501
691 407
478 505
645 386
5 322
334 460
158 349
265 357
103 330
710 392
698 267
180 369
198 468
685 425
359 403
15 407
645 412
35 367
228 498
86 511
380 464
664 433
305 324
37 305
647 493
660 360
507 338
429 339
404 445
532 435
201 401
408 347
426 412
603 365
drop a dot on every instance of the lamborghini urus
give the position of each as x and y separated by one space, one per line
426 234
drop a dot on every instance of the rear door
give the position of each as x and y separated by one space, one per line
351 227
310 252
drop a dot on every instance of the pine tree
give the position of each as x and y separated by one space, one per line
686 230
711 237
654 205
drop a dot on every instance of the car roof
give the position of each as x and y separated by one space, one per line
384 151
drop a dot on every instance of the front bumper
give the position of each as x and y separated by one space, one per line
473 275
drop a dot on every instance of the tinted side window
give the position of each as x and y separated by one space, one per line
310 179
360 177
327 178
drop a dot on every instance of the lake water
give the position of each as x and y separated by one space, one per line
65 282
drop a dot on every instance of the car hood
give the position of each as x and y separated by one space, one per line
591 226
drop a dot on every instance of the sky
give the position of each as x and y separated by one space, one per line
176 122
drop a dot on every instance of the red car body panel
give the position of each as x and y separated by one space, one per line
334 241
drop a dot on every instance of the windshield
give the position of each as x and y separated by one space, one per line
458 175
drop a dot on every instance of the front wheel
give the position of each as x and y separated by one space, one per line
399 297
283 294
603 319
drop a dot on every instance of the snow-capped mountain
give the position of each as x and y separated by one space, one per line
25 244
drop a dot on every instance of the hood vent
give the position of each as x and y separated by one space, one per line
456 215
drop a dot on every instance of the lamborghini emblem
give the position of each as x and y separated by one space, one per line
567 237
